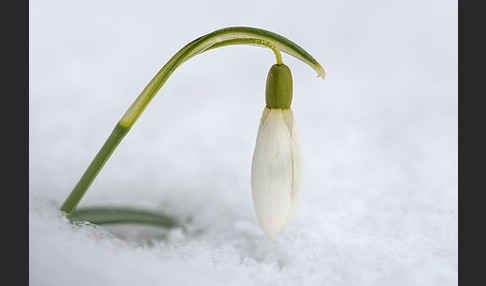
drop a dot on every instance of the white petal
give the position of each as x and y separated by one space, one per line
275 170
296 161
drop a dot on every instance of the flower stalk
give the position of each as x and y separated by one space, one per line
94 168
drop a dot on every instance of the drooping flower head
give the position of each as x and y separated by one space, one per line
276 166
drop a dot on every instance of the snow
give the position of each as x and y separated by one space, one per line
378 137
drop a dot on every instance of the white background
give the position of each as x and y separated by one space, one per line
378 136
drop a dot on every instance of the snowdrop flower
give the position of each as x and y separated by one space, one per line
276 166
275 174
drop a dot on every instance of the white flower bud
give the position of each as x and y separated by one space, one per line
275 174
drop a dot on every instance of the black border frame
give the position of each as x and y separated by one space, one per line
14 207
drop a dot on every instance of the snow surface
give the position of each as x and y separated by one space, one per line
378 138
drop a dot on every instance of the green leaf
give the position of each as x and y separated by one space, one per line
121 215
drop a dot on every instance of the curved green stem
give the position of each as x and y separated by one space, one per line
219 38
249 41
204 43
121 215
